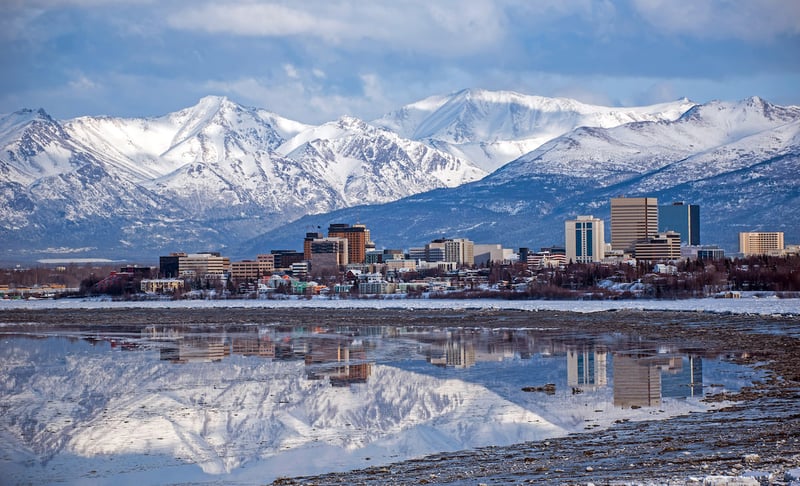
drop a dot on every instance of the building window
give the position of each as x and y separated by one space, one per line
589 244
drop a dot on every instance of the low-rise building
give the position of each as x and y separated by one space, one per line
661 246
377 287
253 269
161 285
195 264
300 270
395 265
485 253
709 252
545 259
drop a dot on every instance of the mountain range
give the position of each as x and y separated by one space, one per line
496 167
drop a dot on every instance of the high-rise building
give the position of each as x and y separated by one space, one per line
459 250
418 254
681 218
328 254
307 243
760 242
585 239
632 218
358 240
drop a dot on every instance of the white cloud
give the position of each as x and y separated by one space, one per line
305 99
747 20
251 19
447 26
82 84
290 70
372 87
51 4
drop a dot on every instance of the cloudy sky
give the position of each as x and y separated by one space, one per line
314 61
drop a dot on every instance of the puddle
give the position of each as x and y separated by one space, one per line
257 402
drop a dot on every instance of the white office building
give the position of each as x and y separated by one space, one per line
585 239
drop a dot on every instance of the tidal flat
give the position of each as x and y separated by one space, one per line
396 396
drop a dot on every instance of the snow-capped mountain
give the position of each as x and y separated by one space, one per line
492 128
363 163
216 174
717 137
205 177
738 160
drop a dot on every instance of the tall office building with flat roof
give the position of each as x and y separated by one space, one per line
760 242
681 218
585 239
358 240
632 218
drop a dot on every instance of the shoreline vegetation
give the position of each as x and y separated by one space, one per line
756 430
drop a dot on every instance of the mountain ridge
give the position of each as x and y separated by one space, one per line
494 127
743 179
221 176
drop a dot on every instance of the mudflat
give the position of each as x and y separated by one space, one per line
759 431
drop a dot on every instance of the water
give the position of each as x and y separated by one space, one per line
250 403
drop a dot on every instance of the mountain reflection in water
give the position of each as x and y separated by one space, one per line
258 402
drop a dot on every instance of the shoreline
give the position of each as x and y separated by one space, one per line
764 420
746 305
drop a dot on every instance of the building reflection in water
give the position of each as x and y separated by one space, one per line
642 379
194 349
683 380
642 376
586 368
637 381
457 352
253 345
343 362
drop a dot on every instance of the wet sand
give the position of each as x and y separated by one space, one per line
760 432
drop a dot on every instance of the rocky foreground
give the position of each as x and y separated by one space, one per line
757 439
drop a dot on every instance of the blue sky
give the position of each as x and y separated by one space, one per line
314 61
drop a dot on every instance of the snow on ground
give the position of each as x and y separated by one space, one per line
746 305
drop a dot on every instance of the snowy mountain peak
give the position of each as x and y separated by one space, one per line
21 119
34 145
747 116
492 128
352 123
